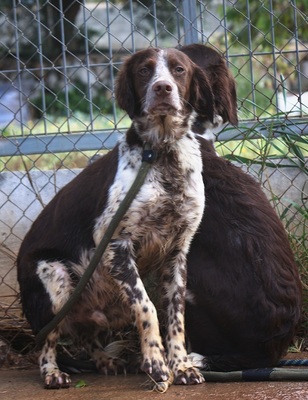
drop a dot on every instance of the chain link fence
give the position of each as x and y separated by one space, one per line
58 63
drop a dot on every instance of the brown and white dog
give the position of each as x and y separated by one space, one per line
160 90
243 289
243 293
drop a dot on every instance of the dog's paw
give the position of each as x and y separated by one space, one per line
190 376
157 369
161 378
198 361
57 380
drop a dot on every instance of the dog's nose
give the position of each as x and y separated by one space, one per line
162 88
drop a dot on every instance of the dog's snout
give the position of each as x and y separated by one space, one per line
162 88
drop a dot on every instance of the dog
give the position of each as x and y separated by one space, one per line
243 303
162 91
244 292
243 295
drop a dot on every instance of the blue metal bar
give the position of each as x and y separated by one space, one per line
178 20
190 22
41 75
226 31
110 55
87 62
273 39
155 24
251 56
299 81
132 24
61 143
19 81
66 79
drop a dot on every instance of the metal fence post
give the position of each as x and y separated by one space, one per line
190 21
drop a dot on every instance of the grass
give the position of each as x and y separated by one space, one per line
76 122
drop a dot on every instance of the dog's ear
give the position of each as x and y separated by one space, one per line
223 86
124 90
201 96
220 77
229 102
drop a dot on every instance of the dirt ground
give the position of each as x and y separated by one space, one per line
16 384
20 380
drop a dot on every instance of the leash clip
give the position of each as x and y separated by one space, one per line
148 154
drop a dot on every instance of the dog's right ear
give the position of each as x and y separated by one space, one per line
220 78
124 90
201 95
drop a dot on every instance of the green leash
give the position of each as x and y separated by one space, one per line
257 375
148 157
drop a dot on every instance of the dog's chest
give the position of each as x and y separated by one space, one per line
169 203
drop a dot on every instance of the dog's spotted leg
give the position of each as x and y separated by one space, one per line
106 362
124 271
52 376
174 300
57 283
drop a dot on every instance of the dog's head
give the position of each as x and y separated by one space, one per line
156 83
222 84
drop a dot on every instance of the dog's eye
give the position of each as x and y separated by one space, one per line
179 70
144 71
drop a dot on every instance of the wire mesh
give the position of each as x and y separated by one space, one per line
58 64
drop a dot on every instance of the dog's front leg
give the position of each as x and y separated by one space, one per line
53 377
124 271
174 288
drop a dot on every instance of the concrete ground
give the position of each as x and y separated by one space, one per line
16 384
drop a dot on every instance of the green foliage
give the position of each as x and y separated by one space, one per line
80 384
261 43
255 20
62 104
161 12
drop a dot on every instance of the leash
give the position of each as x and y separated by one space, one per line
148 157
257 375
254 374
293 363
70 365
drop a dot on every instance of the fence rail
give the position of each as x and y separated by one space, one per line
38 144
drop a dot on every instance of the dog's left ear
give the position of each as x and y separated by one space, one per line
201 96
124 90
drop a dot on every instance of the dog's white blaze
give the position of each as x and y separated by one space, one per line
162 73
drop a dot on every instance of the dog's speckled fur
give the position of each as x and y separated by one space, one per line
155 233
243 297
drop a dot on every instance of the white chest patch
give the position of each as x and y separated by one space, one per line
171 200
